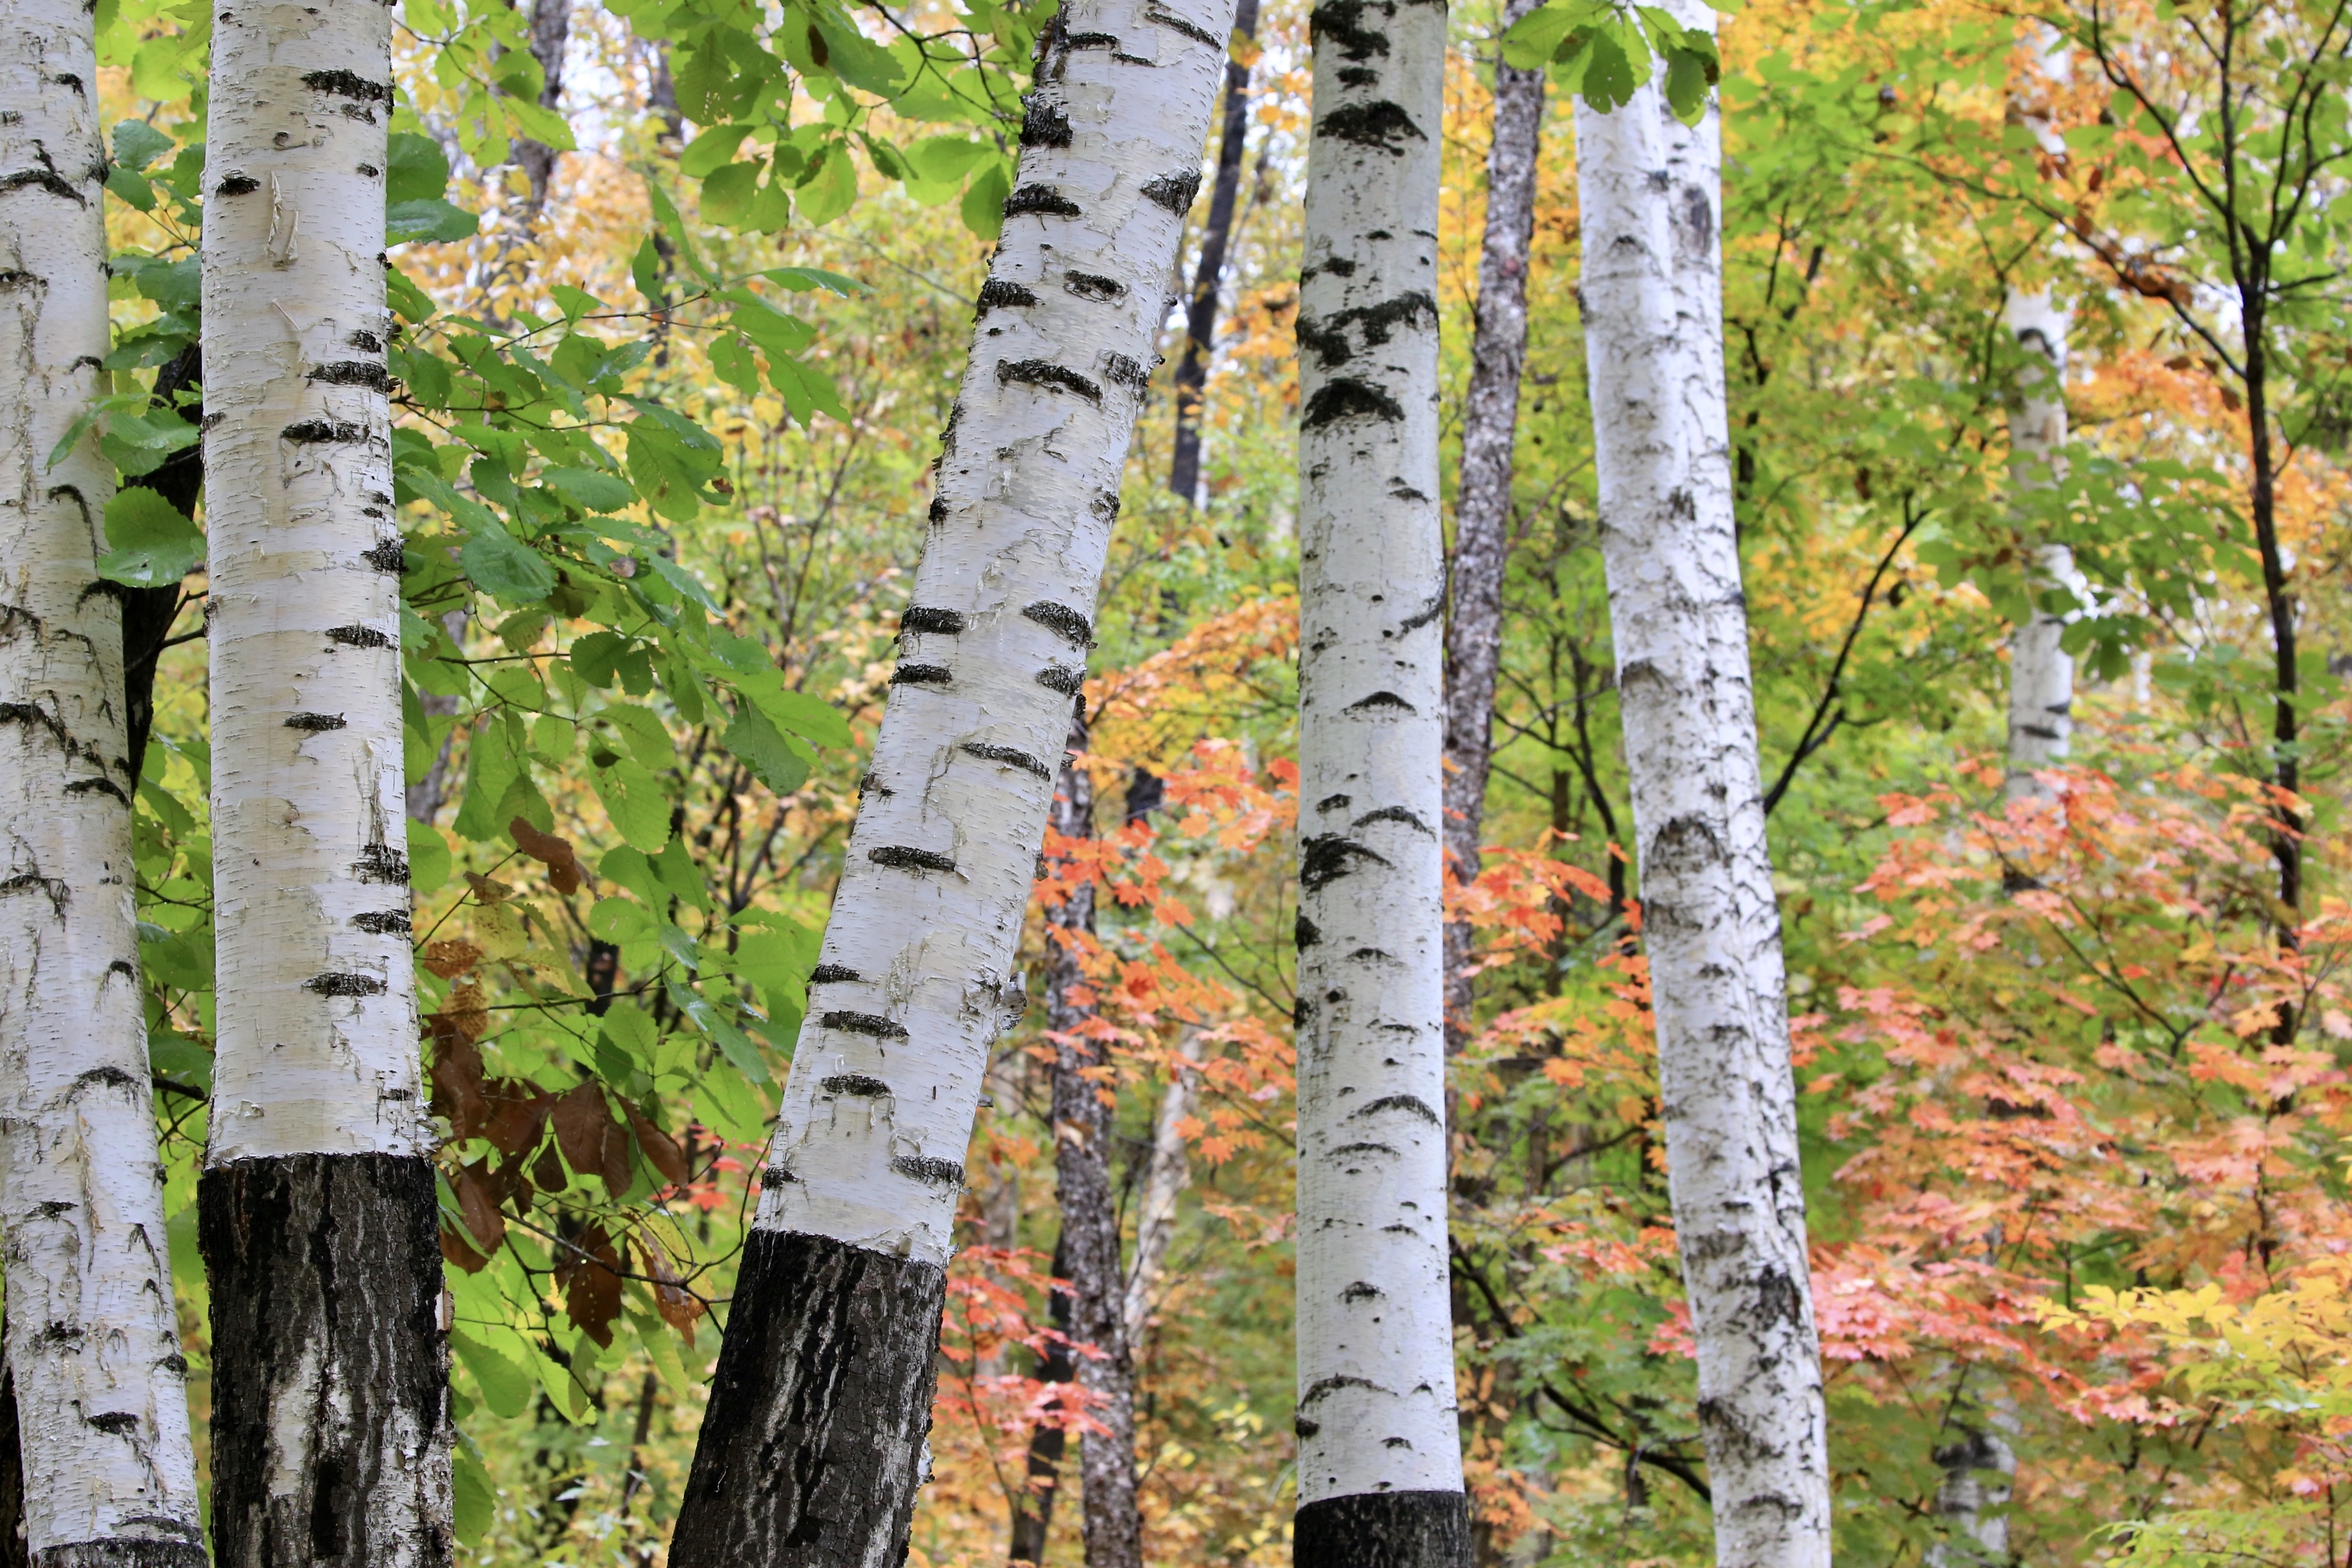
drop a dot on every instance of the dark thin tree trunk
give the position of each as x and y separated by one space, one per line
551 29
1082 1131
1033 1511
1201 312
12 1475
1482 512
148 612
330 1360
2286 768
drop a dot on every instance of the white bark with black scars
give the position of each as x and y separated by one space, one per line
1376 1407
317 1048
1652 290
1482 503
1165 1176
917 973
92 1338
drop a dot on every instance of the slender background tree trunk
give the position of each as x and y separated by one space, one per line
1650 196
1482 508
1380 1461
1201 312
2040 672
315 1211
1032 1513
550 31
1164 1181
812 1449
96 1395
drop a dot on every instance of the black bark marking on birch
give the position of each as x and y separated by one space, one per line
819 1408
237 186
1383 1530
1045 373
385 922
1359 76
938 512
1392 814
872 1024
316 723
1410 1104
1436 604
358 636
1345 397
900 856
386 557
366 342
346 84
1175 192
929 1169
125 968
920 619
1778 1299
337 984
326 1277
1305 933
1346 1150
1363 1290
996 294
1370 955
1378 700
352 373
1068 682
922 675
1380 124
58 893
858 1085
1044 200
12 1476
1192 30
1325 858
1044 124
1128 372
319 432
1090 41
379 863
1683 845
46 178
832 975
1063 622
1335 803
1342 22
100 786
1327 336
1092 285
1011 756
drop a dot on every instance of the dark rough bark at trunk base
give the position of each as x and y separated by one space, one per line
1383 1530
121 1555
326 1295
814 1442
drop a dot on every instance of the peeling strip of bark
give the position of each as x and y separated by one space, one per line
1013 756
905 857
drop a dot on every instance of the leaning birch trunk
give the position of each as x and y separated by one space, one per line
1083 1129
1164 1181
1650 193
814 1443
109 1473
1482 506
1379 1460
316 1212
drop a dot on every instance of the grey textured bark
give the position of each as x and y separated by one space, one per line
551 30
1482 508
814 1440
1383 1530
1082 1133
1032 1510
1201 312
330 1362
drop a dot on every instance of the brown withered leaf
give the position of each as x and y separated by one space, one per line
661 1150
466 1009
676 1304
457 1081
565 873
548 1170
477 1202
451 957
581 1124
488 889
454 1249
518 1111
589 1274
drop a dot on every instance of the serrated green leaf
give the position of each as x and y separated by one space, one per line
633 799
504 568
756 744
150 542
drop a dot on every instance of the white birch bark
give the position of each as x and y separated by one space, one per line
1165 1177
917 972
92 1335
1979 1475
1650 199
317 1051
1376 1405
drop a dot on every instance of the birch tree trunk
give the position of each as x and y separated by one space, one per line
1201 312
1979 1473
1482 507
814 1443
1650 196
1164 1181
316 1212
1083 1129
1379 1462
92 1341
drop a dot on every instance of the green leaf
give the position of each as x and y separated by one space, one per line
138 144
428 859
588 490
984 202
732 1043
407 222
800 280
503 566
644 272
505 1385
946 158
642 731
712 151
1608 81
474 1500
1686 83
575 302
1532 39
633 799
831 189
756 743
152 543
726 193
415 169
